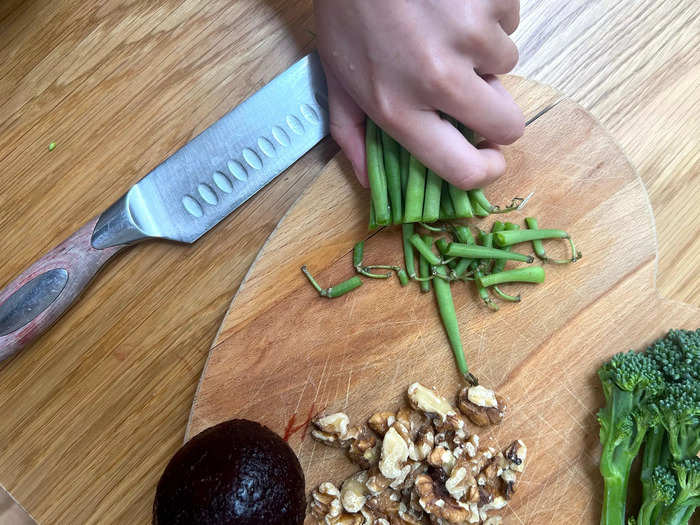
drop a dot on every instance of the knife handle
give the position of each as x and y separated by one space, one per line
46 290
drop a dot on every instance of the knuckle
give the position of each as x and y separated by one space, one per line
436 73
384 105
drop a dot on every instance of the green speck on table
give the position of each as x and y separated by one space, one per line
52 146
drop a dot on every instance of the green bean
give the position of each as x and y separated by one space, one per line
432 228
344 287
392 167
431 200
415 190
424 267
508 238
463 234
423 245
372 217
505 296
477 196
479 211
482 291
460 201
404 159
462 267
358 254
442 245
446 202
538 245
531 274
482 252
497 226
500 264
403 277
376 173
408 255
334 291
486 239
446 307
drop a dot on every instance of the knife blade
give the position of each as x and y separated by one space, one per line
180 200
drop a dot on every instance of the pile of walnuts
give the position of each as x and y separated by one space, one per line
420 465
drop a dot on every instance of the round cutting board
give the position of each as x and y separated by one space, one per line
283 354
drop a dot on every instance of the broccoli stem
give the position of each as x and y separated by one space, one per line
653 449
614 498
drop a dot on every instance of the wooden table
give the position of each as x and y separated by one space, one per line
92 412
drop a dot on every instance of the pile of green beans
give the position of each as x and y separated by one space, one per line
404 191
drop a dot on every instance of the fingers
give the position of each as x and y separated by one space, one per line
507 12
483 105
347 125
443 149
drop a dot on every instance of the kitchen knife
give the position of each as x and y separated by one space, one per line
180 200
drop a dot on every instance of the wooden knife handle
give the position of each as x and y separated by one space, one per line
36 299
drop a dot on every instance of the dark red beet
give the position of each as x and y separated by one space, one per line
235 473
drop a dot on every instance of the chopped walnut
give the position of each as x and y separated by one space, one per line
376 481
434 503
516 453
429 401
381 422
424 441
442 458
325 502
385 505
364 449
482 406
394 454
460 481
493 520
353 492
332 429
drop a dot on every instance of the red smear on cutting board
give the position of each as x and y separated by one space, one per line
292 429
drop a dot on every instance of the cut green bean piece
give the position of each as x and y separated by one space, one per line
423 245
415 190
538 245
424 267
462 267
460 201
431 200
531 274
344 287
446 307
442 245
505 296
479 211
404 159
508 238
497 226
446 202
432 228
403 277
358 254
408 255
376 173
333 291
482 291
463 234
500 264
392 153
483 252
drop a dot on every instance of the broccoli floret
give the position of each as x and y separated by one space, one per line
630 381
679 412
662 492
677 355
688 492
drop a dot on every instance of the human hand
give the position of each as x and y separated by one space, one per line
403 61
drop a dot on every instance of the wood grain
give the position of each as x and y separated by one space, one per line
293 353
94 410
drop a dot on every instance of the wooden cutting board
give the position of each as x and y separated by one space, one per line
284 354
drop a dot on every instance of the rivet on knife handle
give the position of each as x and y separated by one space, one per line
36 299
